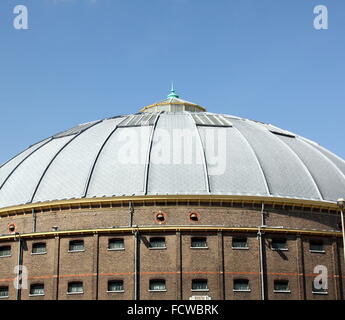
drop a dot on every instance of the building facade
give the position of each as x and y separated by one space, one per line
82 222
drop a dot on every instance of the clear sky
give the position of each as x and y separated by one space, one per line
83 60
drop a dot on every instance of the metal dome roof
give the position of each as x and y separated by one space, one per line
123 156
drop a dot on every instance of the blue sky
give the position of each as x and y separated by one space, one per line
83 60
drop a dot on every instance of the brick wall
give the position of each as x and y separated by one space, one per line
178 264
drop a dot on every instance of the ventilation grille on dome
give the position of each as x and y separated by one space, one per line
211 120
137 120
279 131
75 130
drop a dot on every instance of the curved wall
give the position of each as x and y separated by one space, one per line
178 264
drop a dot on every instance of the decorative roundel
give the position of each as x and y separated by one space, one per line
194 216
11 227
160 216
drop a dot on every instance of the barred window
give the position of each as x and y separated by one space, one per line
157 285
198 242
281 286
116 244
279 244
76 245
5 251
319 288
39 248
157 242
37 289
115 286
241 285
3 291
239 243
199 285
316 246
75 287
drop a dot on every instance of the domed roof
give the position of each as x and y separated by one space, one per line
172 153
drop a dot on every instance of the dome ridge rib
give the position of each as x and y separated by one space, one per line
304 166
52 160
16 167
208 189
17 155
323 156
148 155
329 154
98 154
256 160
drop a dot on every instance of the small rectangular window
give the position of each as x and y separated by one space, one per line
115 286
316 246
279 244
281 286
75 287
39 248
319 289
157 285
37 289
3 291
241 285
157 243
5 251
116 244
198 242
199 285
76 245
239 243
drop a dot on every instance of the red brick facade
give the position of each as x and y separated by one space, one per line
178 264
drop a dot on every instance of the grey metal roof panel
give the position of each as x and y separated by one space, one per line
22 183
173 168
340 163
68 173
285 174
327 177
120 168
231 162
75 130
8 168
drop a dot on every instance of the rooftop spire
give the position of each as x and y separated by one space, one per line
172 93
173 104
